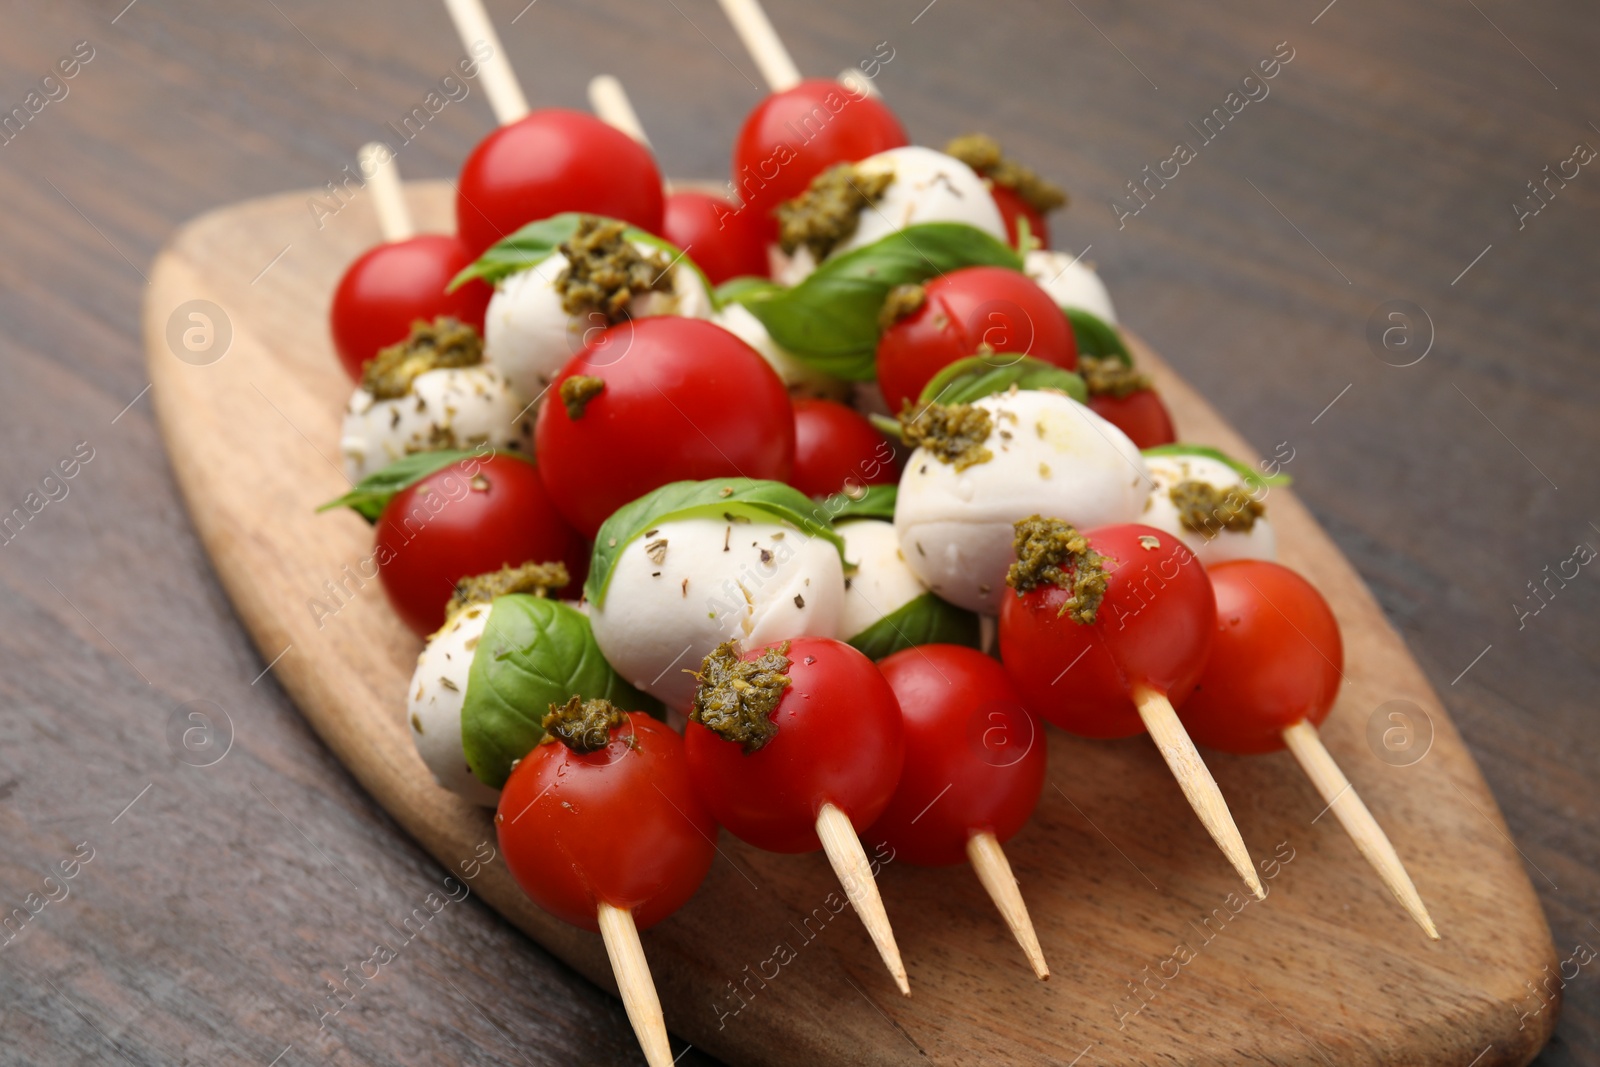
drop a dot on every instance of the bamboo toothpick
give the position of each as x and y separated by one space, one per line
1306 744
989 860
499 81
388 198
857 82
1195 780
755 30
635 984
854 872
610 101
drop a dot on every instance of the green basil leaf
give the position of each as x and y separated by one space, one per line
537 241
371 494
759 501
534 652
830 319
1252 477
746 286
927 620
1096 336
875 502
885 425
976 377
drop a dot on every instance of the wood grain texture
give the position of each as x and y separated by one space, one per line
217 906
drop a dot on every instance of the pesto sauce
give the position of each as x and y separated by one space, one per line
1208 510
953 433
902 300
604 271
828 212
584 726
536 578
1110 376
577 391
982 153
442 343
1053 552
736 697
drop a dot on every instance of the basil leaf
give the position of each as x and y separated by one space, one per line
875 502
371 494
976 377
885 425
746 286
534 652
927 620
537 241
830 319
1252 477
1096 336
760 501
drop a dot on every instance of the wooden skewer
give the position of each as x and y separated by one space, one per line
989 860
610 101
1196 782
499 81
635 984
755 30
857 82
850 864
1306 744
383 180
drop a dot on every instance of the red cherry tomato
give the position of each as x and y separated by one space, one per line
1141 415
1277 659
839 741
964 311
684 399
975 756
1153 629
723 240
835 446
793 136
549 162
621 825
1013 207
470 518
393 285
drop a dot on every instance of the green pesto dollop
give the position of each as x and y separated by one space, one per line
1053 552
605 271
982 153
536 578
1208 510
577 391
953 433
737 697
827 213
442 343
1110 376
582 725
902 300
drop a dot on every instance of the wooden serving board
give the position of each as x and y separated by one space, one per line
762 966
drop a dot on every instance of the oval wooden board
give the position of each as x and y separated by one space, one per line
760 966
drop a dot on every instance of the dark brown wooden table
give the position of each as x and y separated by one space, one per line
1385 164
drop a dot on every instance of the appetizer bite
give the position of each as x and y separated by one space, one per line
1214 505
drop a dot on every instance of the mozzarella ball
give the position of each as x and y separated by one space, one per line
530 338
452 407
1259 542
688 585
1071 282
801 377
433 704
882 582
1051 456
928 186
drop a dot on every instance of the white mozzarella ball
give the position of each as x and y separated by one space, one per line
452 407
688 585
928 186
1259 542
1052 456
801 377
433 704
1071 282
528 335
882 583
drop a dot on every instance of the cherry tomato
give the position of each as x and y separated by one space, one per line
471 517
723 240
549 162
835 446
393 285
684 399
621 824
1013 207
1153 629
975 756
839 741
966 310
793 136
1277 659
1141 415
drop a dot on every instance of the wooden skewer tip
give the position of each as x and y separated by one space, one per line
610 101
635 984
988 859
761 40
500 83
382 175
854 872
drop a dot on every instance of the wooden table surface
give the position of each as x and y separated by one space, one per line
1384 165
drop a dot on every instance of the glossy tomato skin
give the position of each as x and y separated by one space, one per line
835 446
470 518
723 240
683 399
552 161
965 310
1277 659
975 756
621 825
1012 207
793 136
393 285
1154 628
840 740
1141 415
